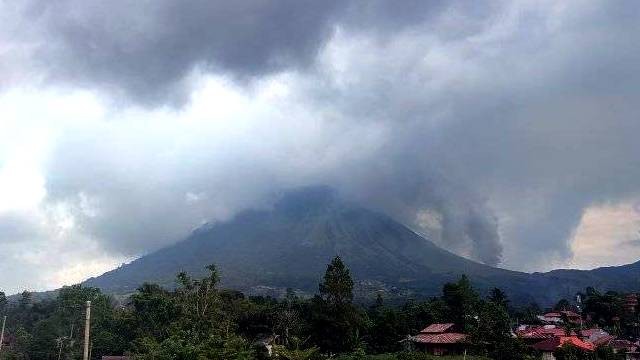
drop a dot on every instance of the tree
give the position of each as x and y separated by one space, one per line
3 302
499 298
336 323
462 302
153 310
388 327
25 300
199 305
337 287
562 305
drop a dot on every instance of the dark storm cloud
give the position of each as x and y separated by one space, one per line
145 50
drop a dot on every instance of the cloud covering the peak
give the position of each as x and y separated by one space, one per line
492 127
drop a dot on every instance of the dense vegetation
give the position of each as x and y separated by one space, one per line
197 320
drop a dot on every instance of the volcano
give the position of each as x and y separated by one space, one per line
289 245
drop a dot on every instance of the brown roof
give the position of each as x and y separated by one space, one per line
436 328
445 338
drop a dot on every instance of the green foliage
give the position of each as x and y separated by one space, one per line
197 320
3 302
562 305
337 287
462 303
335 322
281 352
388 327
499 298
606 353
603 308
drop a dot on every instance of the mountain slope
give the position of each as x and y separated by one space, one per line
290 245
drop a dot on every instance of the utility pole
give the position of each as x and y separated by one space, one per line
4 320
87 325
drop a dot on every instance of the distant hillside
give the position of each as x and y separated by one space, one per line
265 252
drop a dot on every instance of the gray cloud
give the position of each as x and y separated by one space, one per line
17 228
507 120
146 50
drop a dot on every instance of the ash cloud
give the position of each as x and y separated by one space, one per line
506 119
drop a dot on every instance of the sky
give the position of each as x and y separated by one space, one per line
505 131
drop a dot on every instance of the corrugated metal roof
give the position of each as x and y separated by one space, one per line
540 332
436 328
445 338
603 340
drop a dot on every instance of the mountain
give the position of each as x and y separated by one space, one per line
289 246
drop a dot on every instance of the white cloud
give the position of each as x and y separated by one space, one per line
608 235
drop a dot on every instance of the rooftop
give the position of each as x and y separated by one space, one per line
437 328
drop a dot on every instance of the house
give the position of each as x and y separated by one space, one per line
549 346
603 341
558 317
619 346
440 339
551 318
593 335
571 316
536 333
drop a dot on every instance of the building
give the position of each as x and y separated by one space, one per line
440 339
549 346
551 318
619 346
594 335
537 333
558 317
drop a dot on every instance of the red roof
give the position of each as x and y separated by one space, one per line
436 328
553 314
446 338
541 332
553 343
